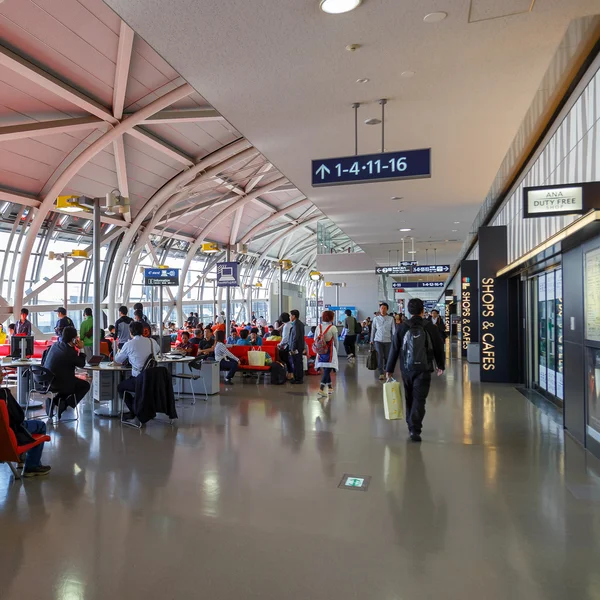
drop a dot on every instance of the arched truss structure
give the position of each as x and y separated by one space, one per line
86 107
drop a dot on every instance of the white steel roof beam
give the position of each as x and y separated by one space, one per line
186 115
126 36
155 142
33 73
31 130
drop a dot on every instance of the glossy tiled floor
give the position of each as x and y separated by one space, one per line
240 501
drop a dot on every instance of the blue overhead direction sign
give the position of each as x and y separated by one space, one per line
385 166
161 277
395 270
431 269
398 285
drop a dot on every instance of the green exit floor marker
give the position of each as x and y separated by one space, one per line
355 482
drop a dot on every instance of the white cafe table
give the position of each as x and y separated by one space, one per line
22 382
116 373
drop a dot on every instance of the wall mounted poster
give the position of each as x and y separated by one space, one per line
592 295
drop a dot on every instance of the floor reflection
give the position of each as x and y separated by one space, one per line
240 499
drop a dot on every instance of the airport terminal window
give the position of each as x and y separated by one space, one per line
548 351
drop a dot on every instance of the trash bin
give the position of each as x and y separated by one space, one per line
473 353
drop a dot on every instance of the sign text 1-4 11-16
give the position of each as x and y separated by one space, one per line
385 166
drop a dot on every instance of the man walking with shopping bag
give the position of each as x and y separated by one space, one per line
420 347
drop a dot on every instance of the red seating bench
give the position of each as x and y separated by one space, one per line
10 452
242 353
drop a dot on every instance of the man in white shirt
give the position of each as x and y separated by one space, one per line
137 351
381 335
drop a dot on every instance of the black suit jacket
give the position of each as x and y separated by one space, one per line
62 360
154 394
296 339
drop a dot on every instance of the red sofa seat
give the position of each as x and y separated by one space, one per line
242 353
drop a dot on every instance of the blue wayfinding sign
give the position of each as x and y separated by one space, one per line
431 269
161 276
227 274
386 166
397 285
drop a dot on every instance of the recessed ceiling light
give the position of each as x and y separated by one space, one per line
435 17
412 252
405 229
407 74
454 230
456 222
372 121
397 197
337 7
363 80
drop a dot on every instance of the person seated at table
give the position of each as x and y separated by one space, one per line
274 334
228 362
3 335
62 359
233 338
139 306
244 338
255 339
311 333
138 317
107 341
206 347
136 351
197 337
111 333
23 430
11 330
186 345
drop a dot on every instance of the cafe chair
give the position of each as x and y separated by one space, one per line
195 374
153 395
10 451
41 385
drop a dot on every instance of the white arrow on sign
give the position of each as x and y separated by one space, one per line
322 171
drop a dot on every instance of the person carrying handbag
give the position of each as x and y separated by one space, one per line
325 346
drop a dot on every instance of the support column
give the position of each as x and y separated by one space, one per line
96 308
227 300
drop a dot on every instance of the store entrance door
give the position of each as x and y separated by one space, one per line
545 343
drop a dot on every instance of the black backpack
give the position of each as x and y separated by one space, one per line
278 373
417 350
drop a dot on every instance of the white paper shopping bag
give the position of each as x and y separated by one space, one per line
393 405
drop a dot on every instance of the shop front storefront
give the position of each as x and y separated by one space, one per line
545 334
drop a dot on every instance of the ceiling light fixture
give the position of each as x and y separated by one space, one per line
372 121
412 252
337 7
397 197
456 222
435 17
364 80
407 74
405 229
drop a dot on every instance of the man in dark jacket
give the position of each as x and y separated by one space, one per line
63 321
62 359
23 430
417 381
296 346
438 322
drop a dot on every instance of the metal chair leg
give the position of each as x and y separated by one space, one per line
16 473
124 421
